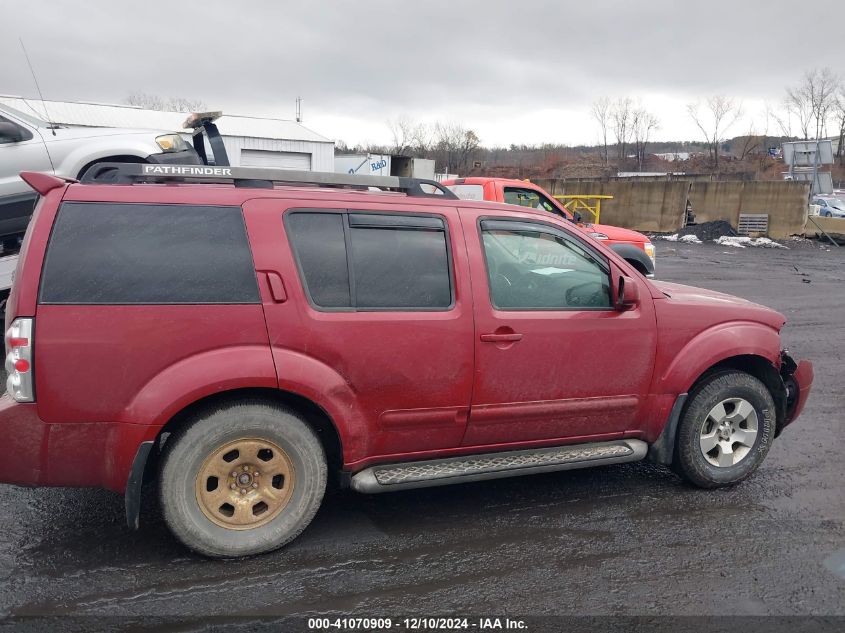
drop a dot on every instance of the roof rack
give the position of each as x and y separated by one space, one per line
257 177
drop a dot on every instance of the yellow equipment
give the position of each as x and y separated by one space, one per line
577 202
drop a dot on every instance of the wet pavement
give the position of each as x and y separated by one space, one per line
628 539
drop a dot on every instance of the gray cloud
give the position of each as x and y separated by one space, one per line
368 61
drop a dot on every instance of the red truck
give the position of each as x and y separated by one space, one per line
635 247
239 334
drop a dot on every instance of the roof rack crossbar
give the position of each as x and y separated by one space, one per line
257 177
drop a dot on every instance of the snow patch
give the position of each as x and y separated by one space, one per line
668 238
742 241
690 239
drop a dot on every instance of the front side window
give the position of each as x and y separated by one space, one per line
11 132
532 268
529 198
364 261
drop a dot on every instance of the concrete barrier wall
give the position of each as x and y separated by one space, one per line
658 205
834 227
784 201
644 206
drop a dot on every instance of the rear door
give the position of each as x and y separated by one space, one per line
553 358
379 296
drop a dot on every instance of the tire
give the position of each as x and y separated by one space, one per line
276 460
733 452
827 214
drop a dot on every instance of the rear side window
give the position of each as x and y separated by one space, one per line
106 253
363 261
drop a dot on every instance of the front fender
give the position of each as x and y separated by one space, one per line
716 344
70 162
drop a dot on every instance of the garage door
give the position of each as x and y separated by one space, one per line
278 160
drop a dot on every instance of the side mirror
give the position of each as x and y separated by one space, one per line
627 293
576 217
11 133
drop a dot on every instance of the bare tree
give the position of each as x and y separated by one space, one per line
714 119
402 131
167 104
620 116
839 117
798 104
423 139
600 111
813 101
456 144
643 123
410 137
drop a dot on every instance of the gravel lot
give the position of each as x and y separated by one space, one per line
624 540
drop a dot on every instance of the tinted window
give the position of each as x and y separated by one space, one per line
400 268
102 253
392 261
321 250
533 269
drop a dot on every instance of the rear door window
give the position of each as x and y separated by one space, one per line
109 253
372 261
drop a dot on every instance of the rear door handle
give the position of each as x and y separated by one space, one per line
277 287
501 338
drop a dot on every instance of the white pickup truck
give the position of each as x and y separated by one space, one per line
28 143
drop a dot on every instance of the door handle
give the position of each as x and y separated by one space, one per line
277 287
501 338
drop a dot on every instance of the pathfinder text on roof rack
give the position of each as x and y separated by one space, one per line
185 170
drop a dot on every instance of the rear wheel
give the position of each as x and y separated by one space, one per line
242 479
726 430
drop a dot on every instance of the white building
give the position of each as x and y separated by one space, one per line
249 141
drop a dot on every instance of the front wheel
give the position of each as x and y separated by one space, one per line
726 430
242 479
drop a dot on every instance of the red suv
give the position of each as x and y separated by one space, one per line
240 334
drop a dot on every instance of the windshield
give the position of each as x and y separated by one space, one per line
27 118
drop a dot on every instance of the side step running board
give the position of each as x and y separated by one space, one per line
452 470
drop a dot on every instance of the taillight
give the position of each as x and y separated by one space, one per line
19 360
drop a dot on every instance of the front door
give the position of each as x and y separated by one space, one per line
554 359
21 149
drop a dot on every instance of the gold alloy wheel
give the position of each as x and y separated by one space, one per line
245 483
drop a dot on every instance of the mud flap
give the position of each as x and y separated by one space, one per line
132 495
662 451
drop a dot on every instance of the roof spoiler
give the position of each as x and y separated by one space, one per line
44 183
258 177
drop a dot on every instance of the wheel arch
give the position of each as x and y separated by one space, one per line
117 158
148 457
635 256
662 450
316 417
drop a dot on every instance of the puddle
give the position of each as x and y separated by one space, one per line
836 563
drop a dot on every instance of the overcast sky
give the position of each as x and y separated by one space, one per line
517 72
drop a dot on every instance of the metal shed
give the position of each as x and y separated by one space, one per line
250 141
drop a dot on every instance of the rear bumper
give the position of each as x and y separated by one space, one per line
33 453
798 378
22 436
